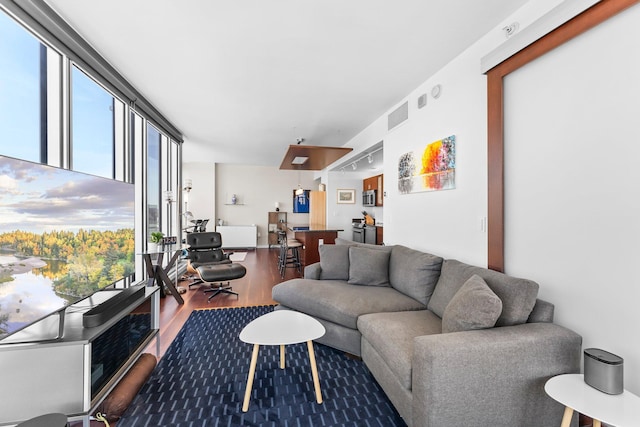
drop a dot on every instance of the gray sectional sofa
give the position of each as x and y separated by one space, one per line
451 344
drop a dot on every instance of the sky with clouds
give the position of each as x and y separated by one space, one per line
39 198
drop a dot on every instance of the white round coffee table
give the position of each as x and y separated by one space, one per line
281 327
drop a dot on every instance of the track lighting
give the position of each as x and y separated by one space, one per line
354 162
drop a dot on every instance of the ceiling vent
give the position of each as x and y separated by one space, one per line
398 116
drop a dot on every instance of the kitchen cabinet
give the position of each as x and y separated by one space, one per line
318 209
380 190
375 183
310 239
369 184
379 235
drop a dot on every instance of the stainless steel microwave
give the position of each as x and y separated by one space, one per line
369 198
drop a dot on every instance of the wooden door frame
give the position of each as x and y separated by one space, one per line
583 22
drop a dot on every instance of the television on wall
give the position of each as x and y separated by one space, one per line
63 236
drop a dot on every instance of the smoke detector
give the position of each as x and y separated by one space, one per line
510 30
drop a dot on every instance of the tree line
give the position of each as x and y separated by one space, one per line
94 259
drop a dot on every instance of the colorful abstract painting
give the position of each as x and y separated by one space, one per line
432 169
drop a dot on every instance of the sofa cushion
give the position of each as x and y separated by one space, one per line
341 241
414 273
518 296
334 262
392 334
368 266
339 302
474 306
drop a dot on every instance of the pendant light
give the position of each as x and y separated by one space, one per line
299 191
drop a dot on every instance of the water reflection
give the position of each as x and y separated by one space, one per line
25 297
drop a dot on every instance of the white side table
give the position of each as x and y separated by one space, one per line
620 410
281 327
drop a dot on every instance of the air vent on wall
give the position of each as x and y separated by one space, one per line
398 116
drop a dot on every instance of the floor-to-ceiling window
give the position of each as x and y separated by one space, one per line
94 116
20 79
153 180
56 109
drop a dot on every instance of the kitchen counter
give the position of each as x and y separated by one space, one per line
311 229
310 237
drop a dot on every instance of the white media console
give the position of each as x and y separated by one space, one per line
238 236
73 373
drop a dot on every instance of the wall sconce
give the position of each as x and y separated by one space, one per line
168 196
187 185
277 206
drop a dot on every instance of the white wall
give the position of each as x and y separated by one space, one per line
572 183
450 222
446 222
583 253
201 201
257 189
340 215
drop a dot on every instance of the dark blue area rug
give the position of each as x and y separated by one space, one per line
201 381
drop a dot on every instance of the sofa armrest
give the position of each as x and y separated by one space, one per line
312 271
492 377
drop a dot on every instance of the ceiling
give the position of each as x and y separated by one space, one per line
243 80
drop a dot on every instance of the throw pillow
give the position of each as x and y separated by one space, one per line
368 267
334 262
414 273
474 306
518 296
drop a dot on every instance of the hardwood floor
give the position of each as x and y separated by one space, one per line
253 289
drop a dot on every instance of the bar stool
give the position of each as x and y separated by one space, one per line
289 254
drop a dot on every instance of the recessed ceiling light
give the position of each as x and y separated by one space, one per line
299 160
